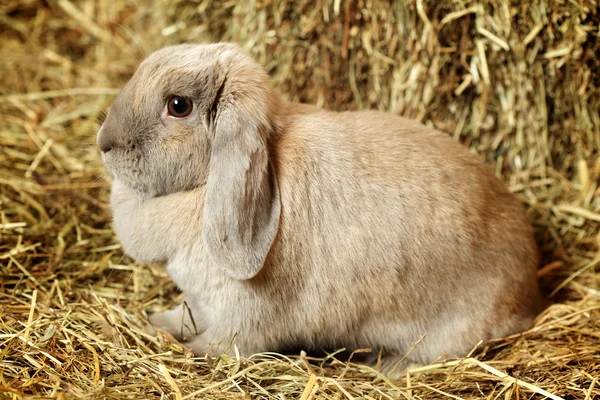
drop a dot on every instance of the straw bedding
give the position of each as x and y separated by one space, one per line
517 82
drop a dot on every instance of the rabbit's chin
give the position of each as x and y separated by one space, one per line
137 175
142 190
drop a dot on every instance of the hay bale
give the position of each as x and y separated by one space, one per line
518 83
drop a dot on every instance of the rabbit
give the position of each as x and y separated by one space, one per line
290 226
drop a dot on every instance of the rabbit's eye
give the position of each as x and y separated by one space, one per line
179 107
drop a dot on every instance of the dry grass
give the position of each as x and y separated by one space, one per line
517 82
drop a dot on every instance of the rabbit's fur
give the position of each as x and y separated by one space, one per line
288 225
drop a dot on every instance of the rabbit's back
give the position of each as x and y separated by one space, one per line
386 223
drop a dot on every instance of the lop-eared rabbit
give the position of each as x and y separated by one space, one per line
287 225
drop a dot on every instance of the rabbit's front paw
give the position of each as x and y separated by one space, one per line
177 321
393 366
202 346
213 343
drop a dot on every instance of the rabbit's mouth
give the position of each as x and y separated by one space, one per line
128 170
148 182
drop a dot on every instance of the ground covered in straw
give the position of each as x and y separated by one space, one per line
516 82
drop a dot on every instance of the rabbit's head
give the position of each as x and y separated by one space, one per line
195 115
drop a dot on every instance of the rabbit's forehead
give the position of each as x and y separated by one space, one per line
172 75
184 56
185 70
150 86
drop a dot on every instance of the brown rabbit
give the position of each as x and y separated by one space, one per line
288 225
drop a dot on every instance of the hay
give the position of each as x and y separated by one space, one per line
517 82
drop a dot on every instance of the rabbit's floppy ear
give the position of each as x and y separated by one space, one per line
242 206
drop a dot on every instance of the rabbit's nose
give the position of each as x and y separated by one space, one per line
104 140
105 147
